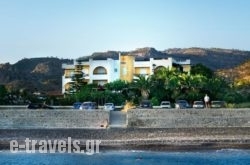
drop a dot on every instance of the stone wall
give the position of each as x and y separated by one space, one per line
53 119
136 118
188 118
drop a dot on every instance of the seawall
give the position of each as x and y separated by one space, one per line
136 118
41 119
188 118
157 129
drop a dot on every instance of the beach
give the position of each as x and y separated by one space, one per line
139 138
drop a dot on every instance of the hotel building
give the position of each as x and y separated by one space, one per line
126 67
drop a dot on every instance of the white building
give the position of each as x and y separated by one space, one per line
109 70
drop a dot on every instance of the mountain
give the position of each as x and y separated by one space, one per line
213 58
35 74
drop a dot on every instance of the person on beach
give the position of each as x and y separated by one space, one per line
206 100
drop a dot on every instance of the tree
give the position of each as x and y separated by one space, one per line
3 94
117 85
143 84
77 79
179 85
192 86
159 81
202 70
162 73
216 87
3 91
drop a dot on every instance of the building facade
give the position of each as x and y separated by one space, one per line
126 67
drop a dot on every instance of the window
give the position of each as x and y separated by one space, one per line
100 70
143 71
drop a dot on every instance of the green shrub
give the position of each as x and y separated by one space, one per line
155 101
243 105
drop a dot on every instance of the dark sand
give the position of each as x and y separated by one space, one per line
157 139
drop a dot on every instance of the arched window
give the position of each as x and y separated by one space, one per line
100 70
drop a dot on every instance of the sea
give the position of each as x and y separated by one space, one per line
130 157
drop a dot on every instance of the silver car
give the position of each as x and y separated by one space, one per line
198 104
181 104
109 106
165 104
217 104
88 106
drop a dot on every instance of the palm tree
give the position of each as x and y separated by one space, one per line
143 84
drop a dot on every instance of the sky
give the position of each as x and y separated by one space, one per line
76 28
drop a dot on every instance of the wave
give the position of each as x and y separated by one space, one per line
231 150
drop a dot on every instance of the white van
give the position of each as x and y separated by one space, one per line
165 104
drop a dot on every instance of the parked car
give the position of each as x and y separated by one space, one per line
88 106
180 104
146 104
198 104
109 106
217 104
165 104
39 106
77 105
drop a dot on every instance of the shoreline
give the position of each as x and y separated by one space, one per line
146 139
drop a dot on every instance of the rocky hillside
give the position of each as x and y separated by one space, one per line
213 58
243 72
239 74
36 74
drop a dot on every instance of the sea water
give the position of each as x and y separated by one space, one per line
214 157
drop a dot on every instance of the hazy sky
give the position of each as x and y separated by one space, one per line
74 28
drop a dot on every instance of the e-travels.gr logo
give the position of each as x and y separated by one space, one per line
52 146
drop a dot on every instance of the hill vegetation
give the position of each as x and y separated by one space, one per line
240 74
31 75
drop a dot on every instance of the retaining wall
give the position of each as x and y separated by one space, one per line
53 119
136 118
188 118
